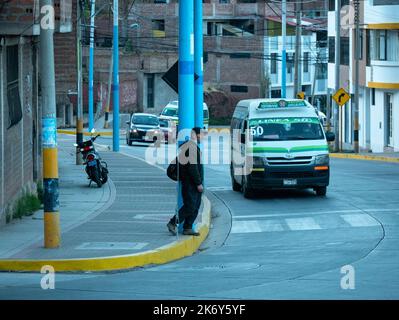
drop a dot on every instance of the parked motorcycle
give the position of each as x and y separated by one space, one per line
96 169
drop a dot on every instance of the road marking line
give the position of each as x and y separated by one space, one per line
246 227
305 223
359 220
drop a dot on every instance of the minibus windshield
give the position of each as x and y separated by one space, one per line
283 129
170 112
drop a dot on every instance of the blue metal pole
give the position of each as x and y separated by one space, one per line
186 78
91 65
284 52
186 66
115 86
198 65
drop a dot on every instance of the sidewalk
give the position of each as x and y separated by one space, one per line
119 226
383 156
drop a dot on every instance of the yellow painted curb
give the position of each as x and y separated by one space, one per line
363 157
218 130
73 132
185 246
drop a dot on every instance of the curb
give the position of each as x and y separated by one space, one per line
364 157
183 247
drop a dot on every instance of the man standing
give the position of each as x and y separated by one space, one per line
191 175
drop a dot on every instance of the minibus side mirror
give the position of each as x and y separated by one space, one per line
127 122
330 136
242 136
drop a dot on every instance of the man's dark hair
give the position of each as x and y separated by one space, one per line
197 130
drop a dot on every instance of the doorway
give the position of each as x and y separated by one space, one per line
389 120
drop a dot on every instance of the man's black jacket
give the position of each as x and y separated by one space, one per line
191 168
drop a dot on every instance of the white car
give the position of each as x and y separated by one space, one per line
171 112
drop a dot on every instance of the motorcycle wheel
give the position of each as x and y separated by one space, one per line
96 176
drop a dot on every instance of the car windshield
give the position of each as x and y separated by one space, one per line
163 123
147 120
206 114
170 112
281 129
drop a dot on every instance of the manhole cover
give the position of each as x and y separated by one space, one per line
112 246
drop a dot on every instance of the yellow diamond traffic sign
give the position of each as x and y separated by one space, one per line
341 97
300 95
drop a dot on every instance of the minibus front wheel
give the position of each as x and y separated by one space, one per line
321 191
247 190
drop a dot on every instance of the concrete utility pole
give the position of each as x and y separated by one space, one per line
337 70
91 65
79 98
49 127
298 51
109 92
198 65
355 110
316 66
115 87
284 51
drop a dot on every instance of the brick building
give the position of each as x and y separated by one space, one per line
20 110
234 36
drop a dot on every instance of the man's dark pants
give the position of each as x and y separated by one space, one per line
191 204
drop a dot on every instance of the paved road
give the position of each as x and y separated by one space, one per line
283 245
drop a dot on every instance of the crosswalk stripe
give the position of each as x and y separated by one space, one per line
306 223
303 223
246 227
270 225
359 220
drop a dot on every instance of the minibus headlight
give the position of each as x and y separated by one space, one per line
322 159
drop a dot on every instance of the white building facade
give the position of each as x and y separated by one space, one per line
312 66
379 80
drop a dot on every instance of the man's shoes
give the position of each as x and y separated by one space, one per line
172 228
190 232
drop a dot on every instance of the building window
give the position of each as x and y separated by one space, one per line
331 49
344 51
13 99
158 28
331 5
321 71
273 63
382 45
238 88
372 96
150 91
240 55
276 94
306 62
290 62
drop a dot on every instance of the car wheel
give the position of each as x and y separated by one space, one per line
234 185
321 191
247 190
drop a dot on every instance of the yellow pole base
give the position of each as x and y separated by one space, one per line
52 234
